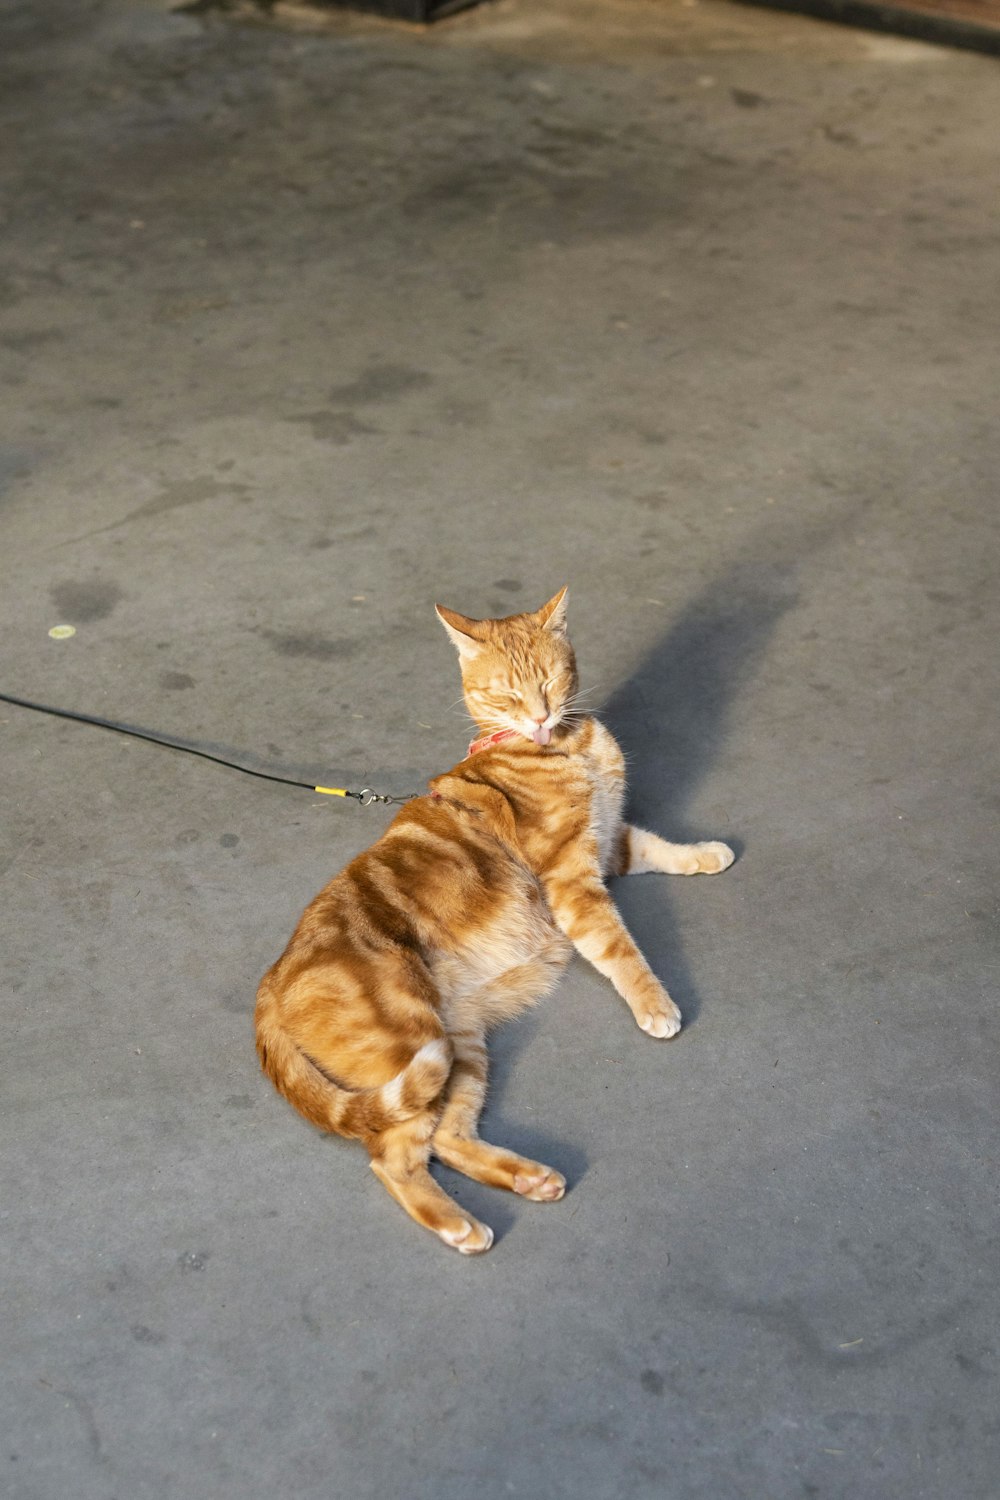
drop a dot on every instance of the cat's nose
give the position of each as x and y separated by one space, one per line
538 718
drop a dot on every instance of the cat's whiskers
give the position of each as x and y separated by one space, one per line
574 698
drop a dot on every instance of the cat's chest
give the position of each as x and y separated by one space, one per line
604 769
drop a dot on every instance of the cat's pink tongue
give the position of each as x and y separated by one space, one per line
541 735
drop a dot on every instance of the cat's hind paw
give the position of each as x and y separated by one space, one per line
542 1185
467 1236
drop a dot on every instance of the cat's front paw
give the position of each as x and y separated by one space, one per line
661 1021
713 857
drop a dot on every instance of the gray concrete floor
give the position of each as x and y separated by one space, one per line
694 308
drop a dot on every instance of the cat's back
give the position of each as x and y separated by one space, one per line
557 793
445 868
453 865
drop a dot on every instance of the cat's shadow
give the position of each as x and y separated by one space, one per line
671 718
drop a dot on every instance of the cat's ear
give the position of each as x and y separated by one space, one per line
552 616
462 630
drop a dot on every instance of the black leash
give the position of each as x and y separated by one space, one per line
366 796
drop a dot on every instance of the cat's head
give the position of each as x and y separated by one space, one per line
519 672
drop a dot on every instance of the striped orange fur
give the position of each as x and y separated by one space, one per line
373 1022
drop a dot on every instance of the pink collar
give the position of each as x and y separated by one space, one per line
492 739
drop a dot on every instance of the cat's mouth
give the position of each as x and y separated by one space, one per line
541 735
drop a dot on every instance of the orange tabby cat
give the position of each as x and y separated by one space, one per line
373 1021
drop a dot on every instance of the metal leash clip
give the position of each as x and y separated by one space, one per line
368 795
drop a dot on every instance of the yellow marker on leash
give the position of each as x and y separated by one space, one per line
367 795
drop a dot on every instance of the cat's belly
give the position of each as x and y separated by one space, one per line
492 965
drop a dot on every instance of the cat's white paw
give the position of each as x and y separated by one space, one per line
542 1186
661 1023
468 1237
713 857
